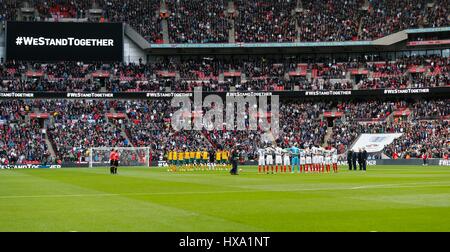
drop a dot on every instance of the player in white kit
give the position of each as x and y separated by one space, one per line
269 158
278 159
321 160
261 159
315 159
308 160
328 160
302 160
334 159
286 159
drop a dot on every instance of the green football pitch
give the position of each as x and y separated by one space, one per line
385 198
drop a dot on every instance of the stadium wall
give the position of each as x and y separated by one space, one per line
132 52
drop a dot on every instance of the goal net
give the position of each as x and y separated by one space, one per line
128 156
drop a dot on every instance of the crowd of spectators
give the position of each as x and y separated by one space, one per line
426 129
194 21
438 72
74 126
325 20
61 9
369 110
22 143
431 138
396 82
8 11
224 74
361 117
81 124
386 17
281 20
143 16
21 140
431 109
149 125
265 21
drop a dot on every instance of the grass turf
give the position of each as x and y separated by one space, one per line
385 198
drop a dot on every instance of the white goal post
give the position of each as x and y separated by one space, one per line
128 156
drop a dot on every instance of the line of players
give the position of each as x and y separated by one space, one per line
309 159
200 160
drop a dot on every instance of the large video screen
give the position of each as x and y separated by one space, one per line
53 41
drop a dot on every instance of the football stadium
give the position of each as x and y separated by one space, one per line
224 116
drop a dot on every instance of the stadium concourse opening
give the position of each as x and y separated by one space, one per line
322 107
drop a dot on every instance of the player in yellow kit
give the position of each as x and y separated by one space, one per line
218 159
181 160
184 160
174 160
225 159
198 155
204 159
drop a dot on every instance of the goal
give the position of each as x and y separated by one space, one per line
128 156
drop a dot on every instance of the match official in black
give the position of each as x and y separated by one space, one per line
360 159
212 155
365 156
354 158
234 161
349 159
